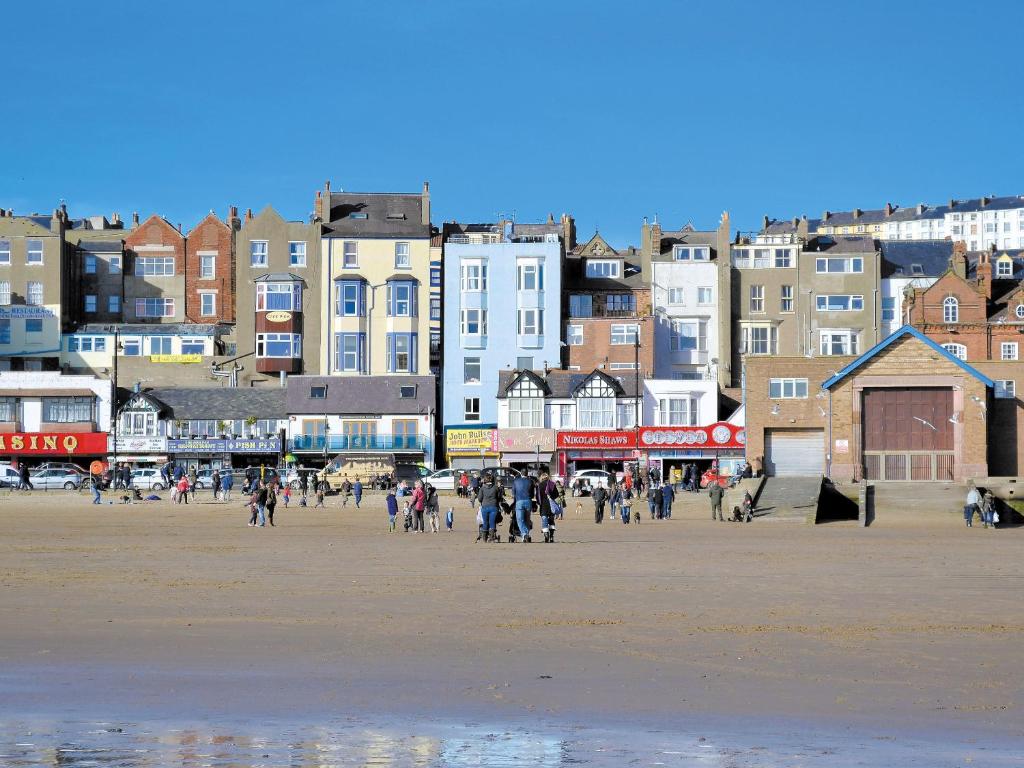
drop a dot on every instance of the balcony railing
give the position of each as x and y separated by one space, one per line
378 442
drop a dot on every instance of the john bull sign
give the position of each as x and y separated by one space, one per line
53 443
224 445
471 440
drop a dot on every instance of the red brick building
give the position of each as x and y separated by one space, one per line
154 275
210 271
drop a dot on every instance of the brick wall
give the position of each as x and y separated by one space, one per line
597 349
211 234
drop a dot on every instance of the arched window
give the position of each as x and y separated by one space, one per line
957 350
951 310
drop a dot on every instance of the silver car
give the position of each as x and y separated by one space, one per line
147 480
50 479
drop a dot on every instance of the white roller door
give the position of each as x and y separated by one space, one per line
794 452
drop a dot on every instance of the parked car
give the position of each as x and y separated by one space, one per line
64 465
410 473
50 479
148 479
593 477
9 476
204 478
444 479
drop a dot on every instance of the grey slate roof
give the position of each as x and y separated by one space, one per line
686 236
221 403
356 395
574 277
900 256
387 215
837 245
101 246
562 384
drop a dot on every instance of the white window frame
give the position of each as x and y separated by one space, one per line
710 293
207 266
154 266
467 364
758 346
480 321
210 296
32 250
531 322
624 333
603 268
782 258
530 270
787 389
786 299
677 297
35 287
297 253
574 335
259 254
471 409
677 334
958 351
757 299
5 251
5 293
350 254
294 341
1005 389
853 302
403 255
292 290
167 311
473 273
829 337
852 265
1008 350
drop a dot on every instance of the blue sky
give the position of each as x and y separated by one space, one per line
608 111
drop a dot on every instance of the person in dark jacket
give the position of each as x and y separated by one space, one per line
523 492
392 504
357 491
271 501
489 495
25 483
227 482
600 496
668 495
547 492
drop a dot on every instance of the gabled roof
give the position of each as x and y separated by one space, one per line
615 384
596 247
375 214
222 403
526 374
901 256
126 397
562 385
906 330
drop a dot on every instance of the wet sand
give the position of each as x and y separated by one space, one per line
153 610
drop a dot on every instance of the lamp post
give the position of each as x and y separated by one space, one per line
113 401
639 402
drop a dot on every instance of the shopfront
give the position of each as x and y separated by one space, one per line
526 449
34 448
225 453
610 451
474 448
668 448
147 451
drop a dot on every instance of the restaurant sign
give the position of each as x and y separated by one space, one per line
597 440
131 444
54 443
719 435
224 445
475 440
26 312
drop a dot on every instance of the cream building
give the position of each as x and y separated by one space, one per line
375 257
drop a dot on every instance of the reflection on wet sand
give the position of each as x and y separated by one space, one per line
352 743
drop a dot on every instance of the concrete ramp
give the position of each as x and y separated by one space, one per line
793 499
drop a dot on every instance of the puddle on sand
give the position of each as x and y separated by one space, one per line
426 743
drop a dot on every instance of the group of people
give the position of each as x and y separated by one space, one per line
422 508
540 496
982 505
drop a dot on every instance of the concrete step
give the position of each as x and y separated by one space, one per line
789 498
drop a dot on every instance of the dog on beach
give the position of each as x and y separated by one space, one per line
579 509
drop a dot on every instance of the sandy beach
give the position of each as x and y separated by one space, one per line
910 626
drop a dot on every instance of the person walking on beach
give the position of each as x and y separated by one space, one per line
321 489
94 484
271 502
215 484
346 491
419 500
667 497
227 482
988 509
24 483
262 494
488 496
286 494
474 490
715 494
522 495
547 503
433 507
357 491
182 488
600 496
971 504
392 504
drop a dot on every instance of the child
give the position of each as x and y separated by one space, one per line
407 516
253 508
449 519
320 493
435 523
286 494
302 501
183 490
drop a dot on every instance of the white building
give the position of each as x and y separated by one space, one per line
685 296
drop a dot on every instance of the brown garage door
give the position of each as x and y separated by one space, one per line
908 433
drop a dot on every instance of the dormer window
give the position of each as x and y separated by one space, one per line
604 268
525 404
690 253
595 405
916 269
1004 268
1019 311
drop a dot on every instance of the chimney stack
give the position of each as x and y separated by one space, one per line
984 201
856 213
920 208
888 209
984 272
233 222
135 219
568 232
952 203
248 214
825 216
764 222
425 205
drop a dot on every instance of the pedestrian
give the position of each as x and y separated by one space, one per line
271 502
321 489
192 477
94 481
304 482
357 491
971 504
126 476
407 516
523 493
547 504
600 495
346 491
24 481
667 497
419 500
652 504
715 494
561 500
227 482
488 496
474 489
432 505
449 519
165 474
182 488
286 494
392 505
215 484
627 503
253 507
988 510
262 494
615 499
464 485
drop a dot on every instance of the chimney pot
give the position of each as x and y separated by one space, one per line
856 213
764 222
825 216
248 214
984 201
426 186
888 209
135 218
327 186
952 203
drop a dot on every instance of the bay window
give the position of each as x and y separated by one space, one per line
278 296
285 345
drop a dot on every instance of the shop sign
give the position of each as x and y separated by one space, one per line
54 443
526 440
25 313
468 440
137 444
597 440
720 435
842 446
224 445
175 358
278 316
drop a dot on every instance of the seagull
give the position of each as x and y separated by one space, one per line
955 418
926 423
775 410
821 395
822 410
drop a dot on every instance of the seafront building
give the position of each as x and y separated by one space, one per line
365 327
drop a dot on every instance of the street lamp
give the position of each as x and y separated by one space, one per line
113 401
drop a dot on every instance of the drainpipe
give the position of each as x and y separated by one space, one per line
828 450
326 340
